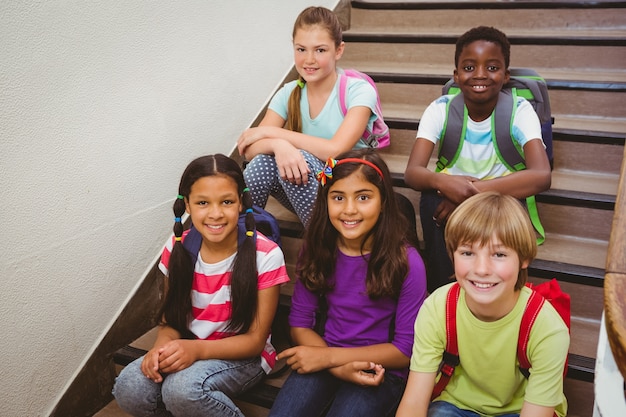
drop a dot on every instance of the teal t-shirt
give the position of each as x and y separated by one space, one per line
359 93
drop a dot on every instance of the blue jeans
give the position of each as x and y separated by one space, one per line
203 389
444 409
321 394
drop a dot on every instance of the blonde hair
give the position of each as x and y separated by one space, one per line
311 16
485 215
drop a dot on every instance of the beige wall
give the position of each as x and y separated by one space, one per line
102 105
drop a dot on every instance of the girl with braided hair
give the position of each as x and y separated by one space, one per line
213 340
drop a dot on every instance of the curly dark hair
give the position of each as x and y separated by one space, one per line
484 33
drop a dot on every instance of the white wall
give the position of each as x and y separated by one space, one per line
102 105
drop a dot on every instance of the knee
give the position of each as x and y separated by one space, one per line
128 387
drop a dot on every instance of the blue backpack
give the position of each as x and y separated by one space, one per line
266 223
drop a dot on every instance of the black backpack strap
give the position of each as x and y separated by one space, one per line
453 133
501 133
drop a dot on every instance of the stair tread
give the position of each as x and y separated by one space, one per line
589 182
445 70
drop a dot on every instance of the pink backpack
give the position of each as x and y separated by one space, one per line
379 136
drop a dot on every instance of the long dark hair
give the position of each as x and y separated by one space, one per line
387 264
311 16
176 308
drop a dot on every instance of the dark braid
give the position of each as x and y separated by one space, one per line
244 276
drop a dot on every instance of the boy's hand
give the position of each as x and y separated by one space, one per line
457 188
443 210
306 359
360 373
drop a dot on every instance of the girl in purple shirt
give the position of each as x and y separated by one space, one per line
358 270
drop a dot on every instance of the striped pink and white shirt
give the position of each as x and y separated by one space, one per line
210 294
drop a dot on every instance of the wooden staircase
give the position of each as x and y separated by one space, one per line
579 47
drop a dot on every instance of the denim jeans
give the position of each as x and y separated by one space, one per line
439 266
203 389
321 394
444 409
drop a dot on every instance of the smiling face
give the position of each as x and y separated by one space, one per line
488 274
480 73
214 205
354 205
315 53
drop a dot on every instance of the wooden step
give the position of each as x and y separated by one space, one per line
594 107
606 22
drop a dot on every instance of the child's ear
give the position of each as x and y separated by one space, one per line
455 75
187 206
507 76
525 265
339 52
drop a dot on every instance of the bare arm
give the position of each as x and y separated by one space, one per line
315 356
179 354
456 188
252 142
417 394
533 410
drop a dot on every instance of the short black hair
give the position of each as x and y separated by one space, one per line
483 33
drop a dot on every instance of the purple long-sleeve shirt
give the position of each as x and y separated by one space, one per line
353 318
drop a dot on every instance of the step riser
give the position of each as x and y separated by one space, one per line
441 57
510 22
585 103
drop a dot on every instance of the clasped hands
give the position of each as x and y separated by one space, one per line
173 356
309 359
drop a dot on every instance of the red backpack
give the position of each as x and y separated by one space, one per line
379 136
546 291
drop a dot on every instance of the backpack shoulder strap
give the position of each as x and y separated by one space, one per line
533 307
343 88
451 354
506 147
453 133
193 242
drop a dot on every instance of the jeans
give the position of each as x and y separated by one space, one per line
439 266
203 389
444 409
321 394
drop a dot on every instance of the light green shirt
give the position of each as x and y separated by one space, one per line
488 380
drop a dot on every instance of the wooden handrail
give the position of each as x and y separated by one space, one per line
615 278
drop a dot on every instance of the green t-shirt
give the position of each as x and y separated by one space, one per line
488 380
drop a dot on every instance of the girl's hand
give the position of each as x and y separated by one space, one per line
150 365
306 359
251 135
457 188
177 355
291 164
360 373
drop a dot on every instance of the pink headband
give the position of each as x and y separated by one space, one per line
327 173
